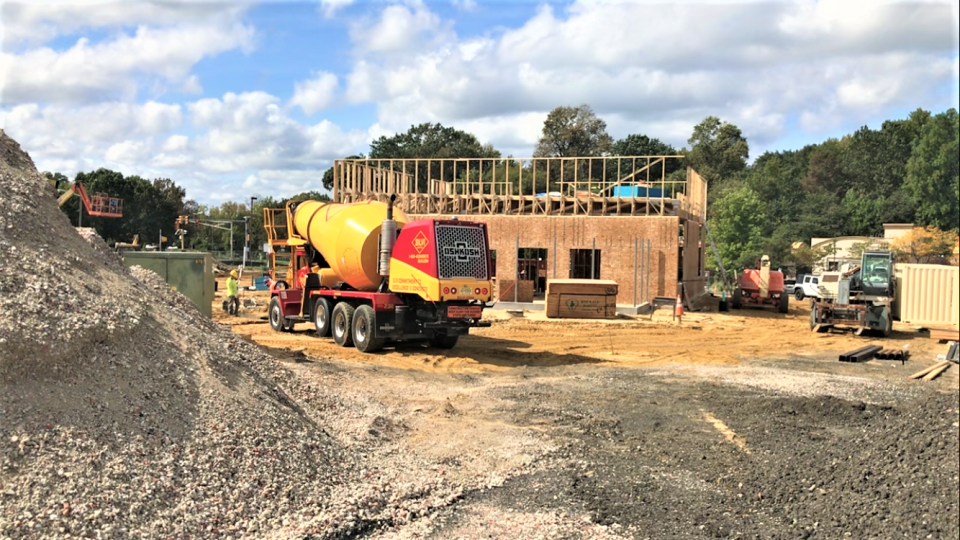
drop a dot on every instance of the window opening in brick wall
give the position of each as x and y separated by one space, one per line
580 263
532 266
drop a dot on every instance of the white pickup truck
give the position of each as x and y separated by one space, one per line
809 286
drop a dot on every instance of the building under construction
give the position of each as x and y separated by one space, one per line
636 220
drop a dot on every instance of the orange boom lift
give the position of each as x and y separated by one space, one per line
99 205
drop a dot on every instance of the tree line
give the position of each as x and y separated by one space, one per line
151 209
906 171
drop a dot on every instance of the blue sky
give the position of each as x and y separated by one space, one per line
238 99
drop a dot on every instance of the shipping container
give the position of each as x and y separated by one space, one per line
190 274
927 295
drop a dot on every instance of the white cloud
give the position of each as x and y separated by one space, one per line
330 7
37 22
176 143
316 94
402 29
251 131
754 64
237 136
465 5
115 69
760 65
92 125
128 152
284 183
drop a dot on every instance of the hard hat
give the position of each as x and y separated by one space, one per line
233 273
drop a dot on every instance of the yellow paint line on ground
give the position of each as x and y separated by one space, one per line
728 433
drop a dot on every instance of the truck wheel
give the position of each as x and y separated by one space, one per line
342 324
784 305
798 294
322 317
737 299
443 341
364 327
276 315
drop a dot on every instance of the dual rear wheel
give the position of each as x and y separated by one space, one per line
355 326
348 325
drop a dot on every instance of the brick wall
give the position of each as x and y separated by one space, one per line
615 236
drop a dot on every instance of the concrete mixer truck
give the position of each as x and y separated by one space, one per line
365 275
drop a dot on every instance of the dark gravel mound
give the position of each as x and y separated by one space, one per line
643 455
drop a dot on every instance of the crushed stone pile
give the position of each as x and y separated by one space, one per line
125 413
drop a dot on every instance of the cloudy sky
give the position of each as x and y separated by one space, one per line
238 99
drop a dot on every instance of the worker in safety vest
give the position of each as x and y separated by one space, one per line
233 293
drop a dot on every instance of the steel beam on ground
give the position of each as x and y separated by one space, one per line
860 355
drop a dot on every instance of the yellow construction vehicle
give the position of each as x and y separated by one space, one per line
365 274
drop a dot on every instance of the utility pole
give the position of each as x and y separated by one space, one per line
246 242
246 234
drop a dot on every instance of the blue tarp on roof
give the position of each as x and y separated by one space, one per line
635 191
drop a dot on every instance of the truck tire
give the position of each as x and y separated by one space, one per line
342 324
784 305
443 341
364 327
737 302
322 317
277 323
798 294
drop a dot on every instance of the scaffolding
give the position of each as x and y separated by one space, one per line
589 186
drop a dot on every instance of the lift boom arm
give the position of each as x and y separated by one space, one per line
99 205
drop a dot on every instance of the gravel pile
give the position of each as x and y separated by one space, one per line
124 412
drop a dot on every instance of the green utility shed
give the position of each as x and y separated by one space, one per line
189 273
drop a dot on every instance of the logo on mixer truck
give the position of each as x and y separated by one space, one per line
420 242
461 252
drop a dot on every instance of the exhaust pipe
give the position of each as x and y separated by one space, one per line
388 237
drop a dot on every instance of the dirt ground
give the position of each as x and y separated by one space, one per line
700 338
739 425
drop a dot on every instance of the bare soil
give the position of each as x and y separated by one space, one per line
740 425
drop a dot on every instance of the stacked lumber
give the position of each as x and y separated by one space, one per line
582 299
941 334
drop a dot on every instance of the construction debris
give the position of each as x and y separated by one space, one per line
931 372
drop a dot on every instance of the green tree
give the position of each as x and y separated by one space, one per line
737 226
862 213
149 208
429 141
933 172
573 132
718 150
641 145
825 168
875 160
